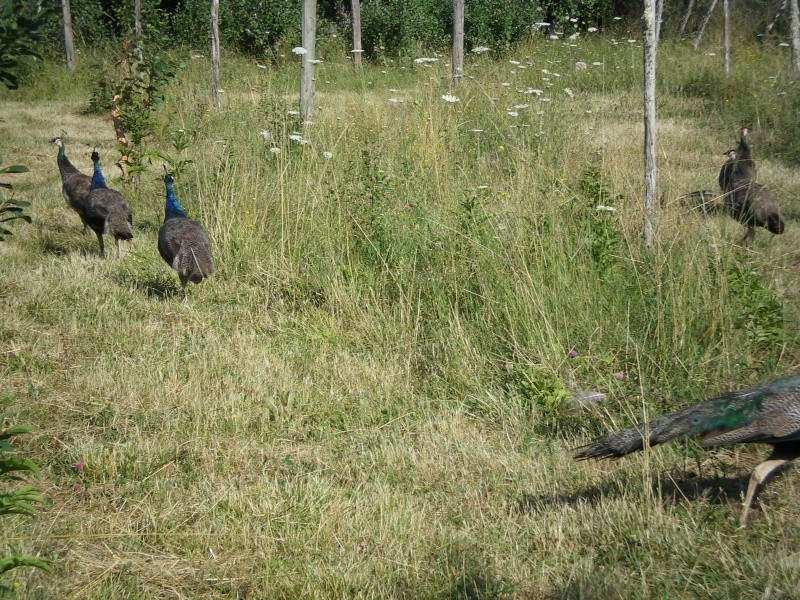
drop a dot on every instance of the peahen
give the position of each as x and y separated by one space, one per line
748 202
106 210
182 243
75 185
766 414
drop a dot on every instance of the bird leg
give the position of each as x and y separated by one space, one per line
116 241
759 475
100 241
749 234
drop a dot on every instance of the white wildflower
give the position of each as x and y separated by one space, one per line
423 59
783 45
575 35
299 50
275 150
315 61
327 155
260 66
591 29
295 137
521 106
597 64
480 49
476 130
483 187
544 99
540 25
554 37
569 92
545 71
450 98
265 135
631 41
580 65
618 18
602 207
533 91
505 84
514 62
512 113
292 113
712 53
395 100
573 20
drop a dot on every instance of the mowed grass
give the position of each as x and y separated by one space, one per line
368 400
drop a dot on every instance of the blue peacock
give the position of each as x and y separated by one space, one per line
766 414
106 211
182 243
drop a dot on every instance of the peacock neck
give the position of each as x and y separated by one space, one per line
98 181
172 207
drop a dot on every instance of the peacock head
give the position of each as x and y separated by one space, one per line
168 179
58 143
96 158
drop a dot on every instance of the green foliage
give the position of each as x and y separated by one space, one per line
601 222
757 309
136 85
19 34
21 500
10 209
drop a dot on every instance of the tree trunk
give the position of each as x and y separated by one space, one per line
706 19
659 13
686 18
726 28
775 17
69 44
124 161
307 40
650 49
215 53
137 27
458 40
795 26
355 6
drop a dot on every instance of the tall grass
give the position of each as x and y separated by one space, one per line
370 398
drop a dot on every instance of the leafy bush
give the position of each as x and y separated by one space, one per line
19 35
21 500
11 210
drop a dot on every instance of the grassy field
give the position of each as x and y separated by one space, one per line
370 398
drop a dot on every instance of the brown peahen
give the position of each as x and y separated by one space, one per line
748 202
106 210
765 414
182 243
75 185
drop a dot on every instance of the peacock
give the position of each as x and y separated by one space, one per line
748 202
765 414
182 243
106 210
75 185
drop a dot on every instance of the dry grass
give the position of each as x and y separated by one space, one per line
312 424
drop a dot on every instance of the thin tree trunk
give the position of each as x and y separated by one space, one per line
124 161
215 53
307 40
795 27
659 13
726 28
355 6
650 49
775 17
69 44
137 27
458 40
705 21
686 17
